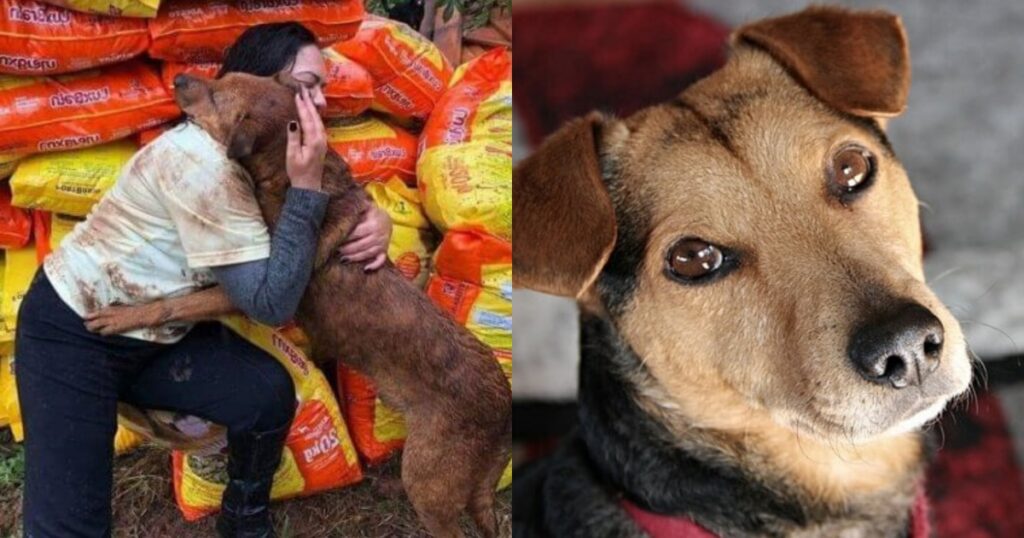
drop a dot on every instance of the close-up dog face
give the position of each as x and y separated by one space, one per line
242 111
762 251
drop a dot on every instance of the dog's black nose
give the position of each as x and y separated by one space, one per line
899 349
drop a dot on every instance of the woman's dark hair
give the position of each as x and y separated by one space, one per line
266 49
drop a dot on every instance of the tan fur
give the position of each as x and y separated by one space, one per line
755 363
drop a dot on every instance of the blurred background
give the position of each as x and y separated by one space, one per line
960 140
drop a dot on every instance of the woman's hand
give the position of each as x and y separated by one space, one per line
306 149
369 240
121 319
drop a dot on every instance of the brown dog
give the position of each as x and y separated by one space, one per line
446 383
760 349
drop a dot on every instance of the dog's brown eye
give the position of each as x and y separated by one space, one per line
693 258
852 170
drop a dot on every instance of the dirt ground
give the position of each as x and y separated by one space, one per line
144 505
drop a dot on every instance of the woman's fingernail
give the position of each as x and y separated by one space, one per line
292 126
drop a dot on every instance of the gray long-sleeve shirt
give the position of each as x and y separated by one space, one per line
269 290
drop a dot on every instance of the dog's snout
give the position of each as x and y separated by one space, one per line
899 349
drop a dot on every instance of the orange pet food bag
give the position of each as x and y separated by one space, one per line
409 72
349 88
473 281
201 31
15 223
40 39
465 161
374 149
377 430
84 109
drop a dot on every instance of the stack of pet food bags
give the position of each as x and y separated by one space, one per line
82 85
465 171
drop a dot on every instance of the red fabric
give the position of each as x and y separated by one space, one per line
975 484
662 526
617 58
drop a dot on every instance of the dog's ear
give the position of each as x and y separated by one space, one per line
855 61
240 141
563 224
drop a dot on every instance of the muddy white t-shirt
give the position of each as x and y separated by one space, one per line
179 207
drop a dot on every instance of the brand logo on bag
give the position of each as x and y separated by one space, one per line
427 75
397 97
323 446
39 15
267 5
22 63
289 351
69 142
80 98
458 130
387 152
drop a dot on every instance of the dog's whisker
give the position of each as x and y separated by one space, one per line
944 274
1013 343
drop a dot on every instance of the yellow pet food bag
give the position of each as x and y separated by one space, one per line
70 182
465 162
318 455
113 8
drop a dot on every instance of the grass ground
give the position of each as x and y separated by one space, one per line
144 505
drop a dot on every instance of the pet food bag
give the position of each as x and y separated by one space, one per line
112 8
9 408
70 182
143 138
318 454
409 72
15 223
413 240
377 430
169 70
8 162
374 149
465 161
84 109
49 230
349 88
472 280
201 31
19 268
41 39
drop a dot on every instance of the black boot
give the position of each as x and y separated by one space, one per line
252 460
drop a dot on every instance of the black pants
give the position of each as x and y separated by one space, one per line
69 383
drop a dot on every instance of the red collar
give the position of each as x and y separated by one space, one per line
662 526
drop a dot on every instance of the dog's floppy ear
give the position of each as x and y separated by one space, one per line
855 61
563 221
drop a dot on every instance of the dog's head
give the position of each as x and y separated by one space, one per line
241 111
757 236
